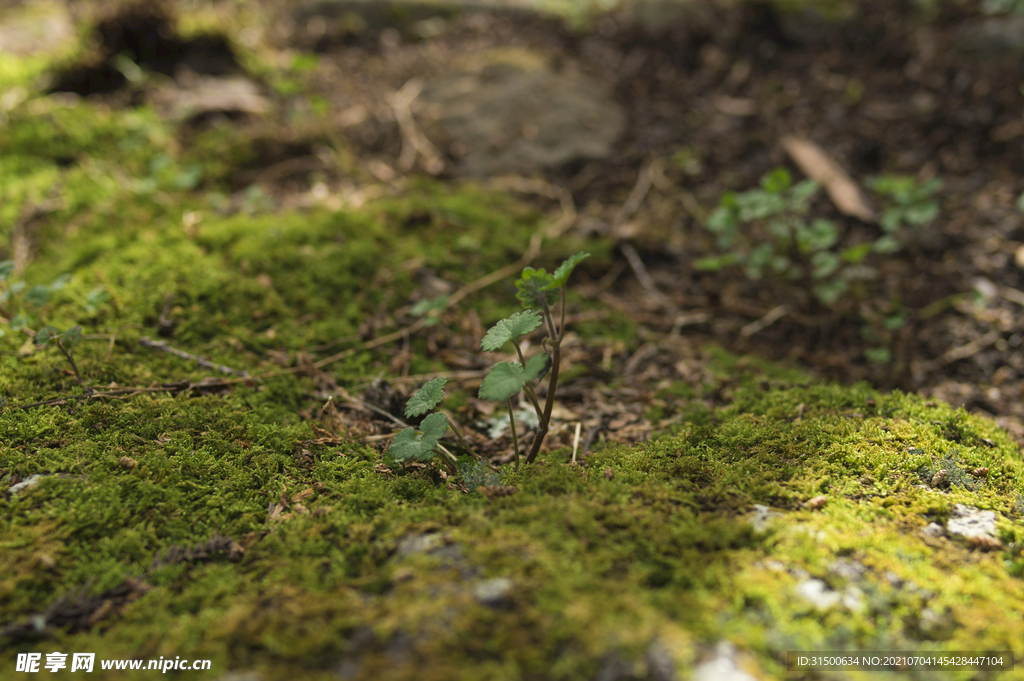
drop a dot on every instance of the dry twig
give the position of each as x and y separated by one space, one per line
413 141
163 346
764 322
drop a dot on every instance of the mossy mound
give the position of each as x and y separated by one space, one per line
216 542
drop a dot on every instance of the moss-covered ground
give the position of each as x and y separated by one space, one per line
172 518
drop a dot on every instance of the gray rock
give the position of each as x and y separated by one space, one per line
969 522
660 665
493 592
26 484
418 543
894 579
823 597
847 569
515 114
762 517
933 530
722 666
936 625
450 556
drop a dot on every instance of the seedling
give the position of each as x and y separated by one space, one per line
908 204
65 342
35 297
777 240
537 289
766 232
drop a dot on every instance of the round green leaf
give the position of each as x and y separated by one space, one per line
72 336
520 323
434 427
44 335
502 382
533 286
508 378
426 398
407 445
561 275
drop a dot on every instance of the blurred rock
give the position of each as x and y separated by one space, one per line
515 114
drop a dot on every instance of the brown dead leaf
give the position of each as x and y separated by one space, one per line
736 106
984 542
277 512
320 432
817 502
818 166
496 491
304 494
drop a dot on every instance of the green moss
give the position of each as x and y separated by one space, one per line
657 547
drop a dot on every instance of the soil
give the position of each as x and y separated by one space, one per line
884 89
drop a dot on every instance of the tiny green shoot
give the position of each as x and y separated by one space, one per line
543 295
65 342
908 203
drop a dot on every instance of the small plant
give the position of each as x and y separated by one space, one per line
909 204
765 231
36 297
536 289
65 342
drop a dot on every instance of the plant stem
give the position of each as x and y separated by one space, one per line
458 434
74 367
549 322
448 459
512 423
530 393
549 403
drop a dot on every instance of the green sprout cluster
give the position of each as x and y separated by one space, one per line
540 293
767 233
908 205
34 298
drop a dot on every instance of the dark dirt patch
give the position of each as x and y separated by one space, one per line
145 34
888 90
